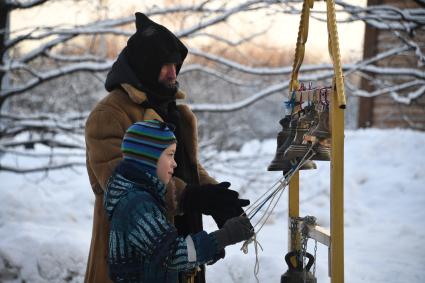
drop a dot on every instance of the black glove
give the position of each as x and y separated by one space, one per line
211 198
221 254
221 216
235 230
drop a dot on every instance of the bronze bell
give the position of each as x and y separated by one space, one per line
299 147
322 129
284 140
296 274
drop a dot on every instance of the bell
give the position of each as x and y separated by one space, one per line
308 165
298 148
322 130
296 274
284 140
323 153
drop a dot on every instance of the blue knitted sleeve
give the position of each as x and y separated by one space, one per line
192 251
156 239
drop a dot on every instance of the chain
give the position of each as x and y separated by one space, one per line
303 252
294 229
315 258
307 220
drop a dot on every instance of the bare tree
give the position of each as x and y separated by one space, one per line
62 52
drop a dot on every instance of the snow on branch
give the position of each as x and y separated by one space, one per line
71 58
218 75
64 117
240 67
393 91
66 33
378 57
55 73
364 65
109 26
280 87
227 41
230 107
393 71
384 17
44 141
45 168
35 154
249 5
14 4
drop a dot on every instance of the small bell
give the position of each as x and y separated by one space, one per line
298 274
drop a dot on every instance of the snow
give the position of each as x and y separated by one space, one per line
45 219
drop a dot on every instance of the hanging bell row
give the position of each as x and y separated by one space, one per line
305 135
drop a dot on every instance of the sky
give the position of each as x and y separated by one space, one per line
283 33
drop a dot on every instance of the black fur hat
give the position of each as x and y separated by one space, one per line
150 47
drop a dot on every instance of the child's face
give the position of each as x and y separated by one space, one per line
166 164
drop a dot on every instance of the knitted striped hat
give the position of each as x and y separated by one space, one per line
144 142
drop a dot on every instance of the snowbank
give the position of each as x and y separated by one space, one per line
45 219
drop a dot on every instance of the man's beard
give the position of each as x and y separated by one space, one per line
169 85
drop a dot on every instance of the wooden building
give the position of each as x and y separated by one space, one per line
383 111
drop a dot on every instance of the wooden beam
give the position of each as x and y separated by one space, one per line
320 234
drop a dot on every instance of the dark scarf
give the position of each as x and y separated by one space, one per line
139 65
168 111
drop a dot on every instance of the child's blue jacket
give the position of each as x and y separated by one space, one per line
143 245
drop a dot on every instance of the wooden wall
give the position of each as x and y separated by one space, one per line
382 111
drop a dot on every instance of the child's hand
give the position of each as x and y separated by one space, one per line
235 230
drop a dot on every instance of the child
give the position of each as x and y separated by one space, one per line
143 245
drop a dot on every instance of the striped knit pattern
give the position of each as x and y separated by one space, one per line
143 245
144 142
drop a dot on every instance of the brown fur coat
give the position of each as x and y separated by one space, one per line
105 128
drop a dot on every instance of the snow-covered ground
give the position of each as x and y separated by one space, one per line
45 219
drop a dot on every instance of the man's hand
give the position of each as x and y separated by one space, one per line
213 199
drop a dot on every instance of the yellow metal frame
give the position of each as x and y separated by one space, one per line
337 145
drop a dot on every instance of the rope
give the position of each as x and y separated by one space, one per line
270 196
333 45
273 194
257 244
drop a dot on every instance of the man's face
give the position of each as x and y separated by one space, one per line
167 75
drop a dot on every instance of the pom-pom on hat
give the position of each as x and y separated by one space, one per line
144 142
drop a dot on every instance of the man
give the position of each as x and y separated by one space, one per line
143 86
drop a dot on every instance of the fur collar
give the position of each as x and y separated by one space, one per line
139 97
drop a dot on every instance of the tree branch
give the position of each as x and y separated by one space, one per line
41 154
393 89
46 168
52 74
217 74
281 87
14 4
44 141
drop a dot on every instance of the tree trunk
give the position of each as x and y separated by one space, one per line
4 26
